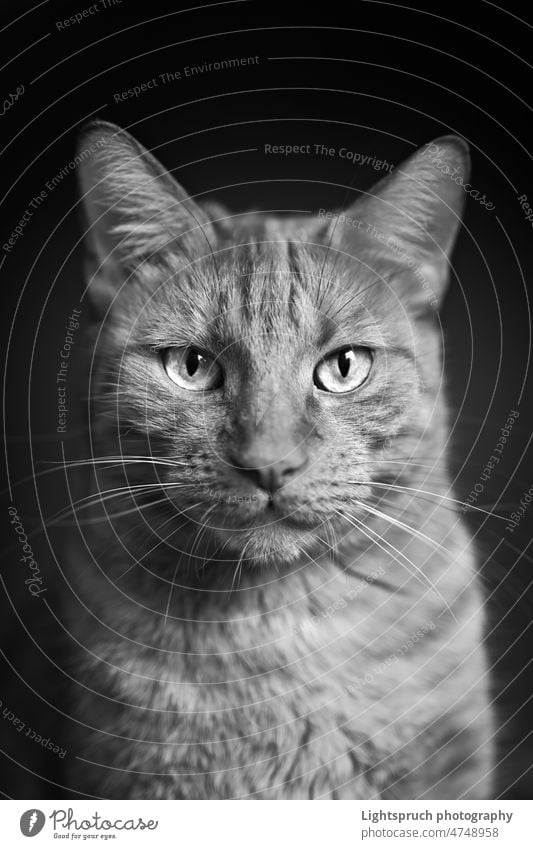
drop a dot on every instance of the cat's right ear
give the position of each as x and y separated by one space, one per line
135 211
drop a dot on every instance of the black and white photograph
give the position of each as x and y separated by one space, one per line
267 273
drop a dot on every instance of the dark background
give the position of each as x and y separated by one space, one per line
380 79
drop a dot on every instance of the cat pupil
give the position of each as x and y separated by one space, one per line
344 364
192 362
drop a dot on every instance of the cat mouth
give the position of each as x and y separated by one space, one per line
272 519
266 521
266 529
271 513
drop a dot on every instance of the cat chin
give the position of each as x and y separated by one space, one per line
262 546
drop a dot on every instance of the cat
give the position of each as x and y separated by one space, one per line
273 594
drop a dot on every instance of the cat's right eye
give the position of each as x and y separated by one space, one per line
192 369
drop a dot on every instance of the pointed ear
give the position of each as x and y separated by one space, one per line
415 212
135 210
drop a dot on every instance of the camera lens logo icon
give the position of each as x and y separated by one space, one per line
32 822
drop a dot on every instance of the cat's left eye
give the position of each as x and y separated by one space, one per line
192 369
344 370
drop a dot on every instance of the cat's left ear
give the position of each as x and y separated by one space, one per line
135 210
415 212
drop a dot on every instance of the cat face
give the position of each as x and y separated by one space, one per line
277 365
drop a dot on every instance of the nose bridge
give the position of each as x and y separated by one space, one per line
272 414
271 428
271 439
270 420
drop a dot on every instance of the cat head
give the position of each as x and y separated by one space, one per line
274 367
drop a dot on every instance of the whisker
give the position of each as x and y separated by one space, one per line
429 585
239 564
104 495
93 461
200 533
427 492
165 623
118 458
110 516
162 539
433 543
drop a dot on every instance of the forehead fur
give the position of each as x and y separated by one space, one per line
265 278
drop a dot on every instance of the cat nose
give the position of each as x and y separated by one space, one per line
268 473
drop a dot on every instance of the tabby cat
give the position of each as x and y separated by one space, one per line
273 595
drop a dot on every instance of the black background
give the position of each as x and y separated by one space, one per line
378 78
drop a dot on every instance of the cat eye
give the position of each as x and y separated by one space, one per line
192 369
344 370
